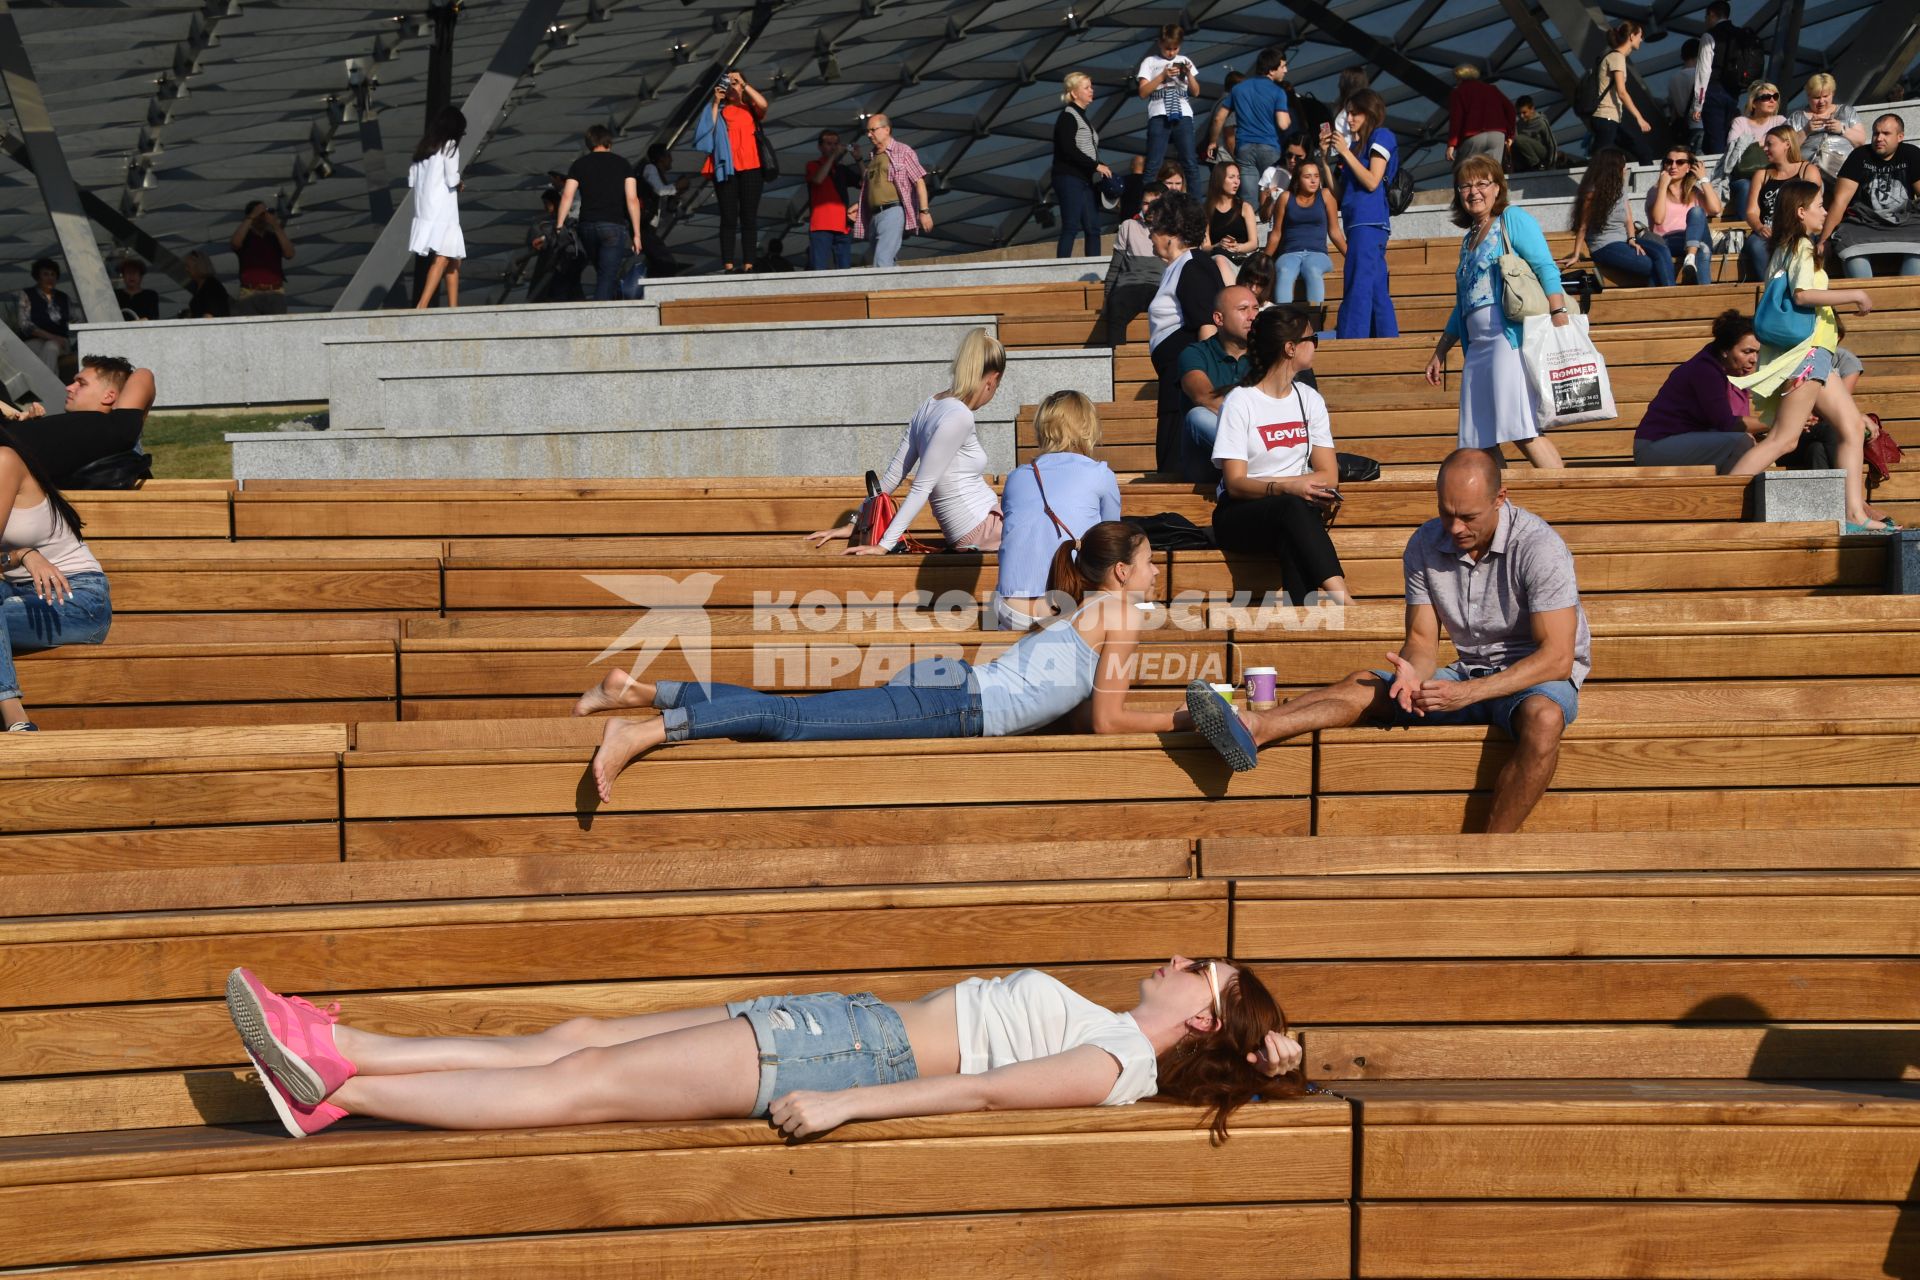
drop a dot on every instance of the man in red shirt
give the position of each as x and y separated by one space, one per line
829 231
1480 118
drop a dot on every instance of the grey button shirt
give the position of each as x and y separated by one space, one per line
1485 605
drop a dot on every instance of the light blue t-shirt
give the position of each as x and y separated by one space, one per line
1253 101
1476 271
1083 492
1046 674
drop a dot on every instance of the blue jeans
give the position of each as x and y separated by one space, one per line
886 229
1738 189
606 244
27 622
1254 159
1079 213
1695 234
934 698
825 1043
1367 309
1654 266
829 249
1718 110
1623 134
1860 265
1197 433
1304 264
1494 711
1177 131
1753 256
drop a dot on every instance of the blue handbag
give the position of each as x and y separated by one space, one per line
1778 321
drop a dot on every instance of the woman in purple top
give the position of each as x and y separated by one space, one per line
1699 418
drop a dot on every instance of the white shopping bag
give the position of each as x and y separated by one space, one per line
1566 373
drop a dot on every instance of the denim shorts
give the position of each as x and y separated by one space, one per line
1494 711
1816 367
824 1043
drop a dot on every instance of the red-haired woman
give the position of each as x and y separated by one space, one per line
1204 1032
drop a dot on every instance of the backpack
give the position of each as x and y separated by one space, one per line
1586 94
1309 113
1399 191
1741 62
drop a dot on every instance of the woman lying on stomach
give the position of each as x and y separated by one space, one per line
1082 663
1205 1033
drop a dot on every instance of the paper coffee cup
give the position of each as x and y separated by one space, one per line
1262 687
1226 692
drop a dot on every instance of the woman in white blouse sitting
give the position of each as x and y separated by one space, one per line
942 452
1204 1032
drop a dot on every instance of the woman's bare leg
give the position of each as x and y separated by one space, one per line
1836 406
435 269
623 740
1543 454
453 282
1796 407
374 1054
696 1073
12 711
617 691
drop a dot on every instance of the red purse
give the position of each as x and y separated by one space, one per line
1883 451
875 516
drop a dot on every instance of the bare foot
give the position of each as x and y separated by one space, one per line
623 740
616 691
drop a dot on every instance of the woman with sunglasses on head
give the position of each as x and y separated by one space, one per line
1075 672
1784 165
1204 1033
1496 404
1744 153
1678 207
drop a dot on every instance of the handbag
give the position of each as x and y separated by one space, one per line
1357 468
1883 451
1521 294
876 513
1778 321
769 160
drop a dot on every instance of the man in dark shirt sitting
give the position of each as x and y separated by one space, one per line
107 404
1208 370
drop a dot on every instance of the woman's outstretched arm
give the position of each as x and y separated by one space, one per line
1080 1077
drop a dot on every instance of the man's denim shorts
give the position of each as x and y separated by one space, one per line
1494 711
824 1043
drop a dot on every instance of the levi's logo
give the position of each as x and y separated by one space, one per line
1283 435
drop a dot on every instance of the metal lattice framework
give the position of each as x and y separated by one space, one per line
178 112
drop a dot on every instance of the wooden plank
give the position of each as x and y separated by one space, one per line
179 847
724 828
1629 1241
218 673
608 947
614 871
280 793
1705 809
1812 1051
644 1188
1073 1246
206 715
1639 1162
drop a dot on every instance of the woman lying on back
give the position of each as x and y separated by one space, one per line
1205 1033
1081 663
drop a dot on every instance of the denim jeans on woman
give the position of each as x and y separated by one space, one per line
1654 265
28 622
933 698
1309 265
1079 213
1696 233
606 244
1623 134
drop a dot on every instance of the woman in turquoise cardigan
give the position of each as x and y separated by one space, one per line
1496 406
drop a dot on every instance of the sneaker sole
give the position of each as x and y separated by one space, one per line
287 1120
1210 712
250 1020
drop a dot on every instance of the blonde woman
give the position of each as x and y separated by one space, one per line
1055 498
942 451
1076 166
1784 164
1829 130
1744 154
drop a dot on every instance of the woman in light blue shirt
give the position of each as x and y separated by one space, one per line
1496 405
1055 498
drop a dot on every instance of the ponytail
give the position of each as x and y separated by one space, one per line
1274 330
1079 567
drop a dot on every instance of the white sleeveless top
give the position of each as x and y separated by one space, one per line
43 530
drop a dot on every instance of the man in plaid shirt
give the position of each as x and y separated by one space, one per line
893 193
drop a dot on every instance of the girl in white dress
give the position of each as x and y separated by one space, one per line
435 179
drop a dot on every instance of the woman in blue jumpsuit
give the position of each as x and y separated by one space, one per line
1366 309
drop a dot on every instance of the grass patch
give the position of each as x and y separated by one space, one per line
193 446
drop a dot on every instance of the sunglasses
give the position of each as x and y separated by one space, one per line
1678 164
1212 969
1766 97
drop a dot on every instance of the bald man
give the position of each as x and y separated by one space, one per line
1502 582
1208 370
893 193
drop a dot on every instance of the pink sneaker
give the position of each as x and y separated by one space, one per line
288 1038
299 1119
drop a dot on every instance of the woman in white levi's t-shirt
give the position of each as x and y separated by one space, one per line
1279 474
942 451
1202 1032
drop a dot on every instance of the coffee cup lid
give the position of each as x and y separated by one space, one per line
1262 671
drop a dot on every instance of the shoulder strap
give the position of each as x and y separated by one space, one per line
1058 523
